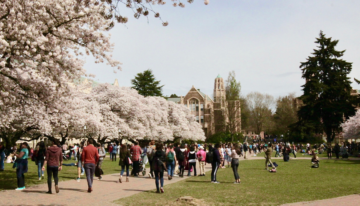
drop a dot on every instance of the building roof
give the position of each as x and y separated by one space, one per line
174 99
205 96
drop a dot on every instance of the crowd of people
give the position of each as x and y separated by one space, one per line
174 159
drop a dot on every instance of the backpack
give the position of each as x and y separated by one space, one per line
209 156
200 157
170 156
181 156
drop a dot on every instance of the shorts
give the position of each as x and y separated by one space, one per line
227 158
79 164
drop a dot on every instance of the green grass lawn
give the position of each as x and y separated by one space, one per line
294 181
8 177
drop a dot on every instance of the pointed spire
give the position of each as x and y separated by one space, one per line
218 76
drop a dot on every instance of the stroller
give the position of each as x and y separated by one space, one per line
142 165
65 154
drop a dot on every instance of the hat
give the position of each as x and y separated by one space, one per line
201 147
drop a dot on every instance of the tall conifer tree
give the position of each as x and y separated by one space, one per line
326 99
146 84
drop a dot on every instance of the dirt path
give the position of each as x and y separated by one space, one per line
350 200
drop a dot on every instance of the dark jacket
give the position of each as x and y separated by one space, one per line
54 156
158 160
123 156
216 156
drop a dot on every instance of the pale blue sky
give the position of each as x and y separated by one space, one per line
263 41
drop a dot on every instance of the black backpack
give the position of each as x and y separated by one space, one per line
209 156
181 156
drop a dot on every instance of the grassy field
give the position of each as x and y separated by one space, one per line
8 177
294 181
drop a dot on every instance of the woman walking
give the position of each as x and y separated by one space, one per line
124 162
159 167
170 161
80 167
235 162
40 156
102 155
54 163
192 160
201 156
181 160
22 165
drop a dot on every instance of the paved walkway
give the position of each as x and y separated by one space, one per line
108 190
73 193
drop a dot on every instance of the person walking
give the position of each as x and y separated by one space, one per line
215 163
40 154
329 151
235 162
53 161
181 160
110 151
268 154
102 155
135 152
277 154
89 159
21 165
245 149
192 160
170 161
2 156
337 150
114 152
201 156
80 166
124 162
159 167
150 153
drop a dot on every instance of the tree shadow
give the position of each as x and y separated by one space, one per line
137 190
35 191
73 189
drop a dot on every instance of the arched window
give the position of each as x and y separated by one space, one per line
194 105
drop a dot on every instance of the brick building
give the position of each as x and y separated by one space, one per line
212 114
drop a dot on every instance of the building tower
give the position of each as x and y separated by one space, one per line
220 105
219 91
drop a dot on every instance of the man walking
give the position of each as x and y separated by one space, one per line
53 161
268 154
2 156
136 152
89 159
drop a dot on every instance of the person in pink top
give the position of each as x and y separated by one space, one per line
201 156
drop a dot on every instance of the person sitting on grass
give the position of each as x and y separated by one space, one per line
314 160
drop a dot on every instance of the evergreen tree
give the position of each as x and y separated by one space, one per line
326 99
146 84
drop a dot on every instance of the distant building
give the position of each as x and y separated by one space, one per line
211 114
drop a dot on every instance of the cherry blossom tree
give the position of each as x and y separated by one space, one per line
351 128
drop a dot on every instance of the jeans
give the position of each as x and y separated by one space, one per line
20 178
2 156
192 164
151 169
214 169
52 171
171 168
70 155
89 171
75 156
135 168
40 168
202 167
110 155
235 166
123 169
159 176
113 156
277 153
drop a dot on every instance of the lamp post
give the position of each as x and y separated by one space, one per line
84 131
